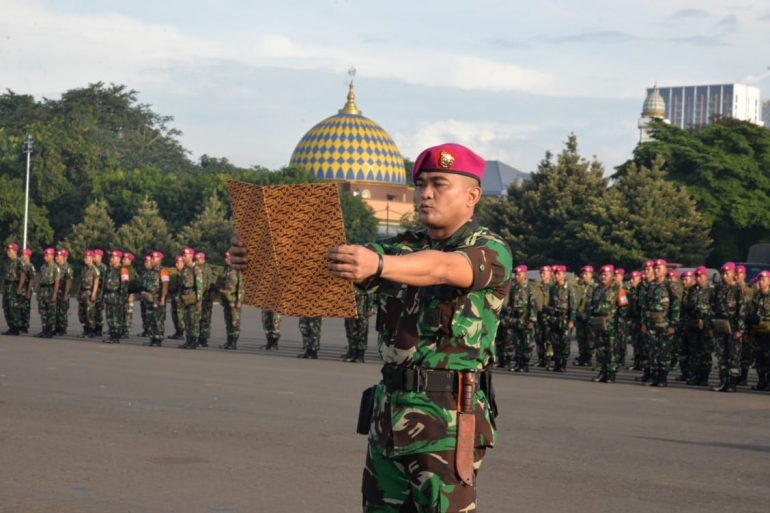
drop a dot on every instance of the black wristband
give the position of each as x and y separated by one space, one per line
379 266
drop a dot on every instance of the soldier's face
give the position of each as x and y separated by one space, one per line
764 284
200 260
545 276
444 199
188 259
740 278
660 272
97 259
88 260
11 253
179 264
59 259
48 258
649 273
25 259
587 277
606 278
125 262
728 277
687 281
618 279
701 279
559 277
521 277
155 262
635 280
115 261
148 263
673 278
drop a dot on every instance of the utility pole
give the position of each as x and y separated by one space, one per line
28 143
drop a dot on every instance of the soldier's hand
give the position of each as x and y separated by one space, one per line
239 255
199 303
354 263
19 292
162 302
570 325
93 298
644 328
29 296
66 298
530 325
738 335
671 331
237 305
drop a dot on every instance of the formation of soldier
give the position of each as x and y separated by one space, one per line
670 321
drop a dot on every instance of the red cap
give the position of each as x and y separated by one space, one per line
98 252
147 258
687 274
546 268
157 254
560 268
88 253
450 158
26 251
520 269
648 263
740 269
607 269
200 255
116 253
63 252
727 266
620 272
763 274
13 246
587 269
701 271
636 274
226 254
660 263
130 256
178 258
673 274
49 251
188 251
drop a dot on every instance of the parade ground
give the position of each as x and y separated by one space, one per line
89 427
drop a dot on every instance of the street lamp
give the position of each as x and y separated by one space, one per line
28 143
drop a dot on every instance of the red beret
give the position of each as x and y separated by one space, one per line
660 263
740 269
49 251
178 258
63 252
157 254
130 256
200 255
673 274
147 257
607 269
88 253
520 269
116 253
560 268
546 268
98 252
188 251
13 246
728 266
702 271
620 272
226 254
587 269
450 158
763 274
648 263
26 251
636 274
687 274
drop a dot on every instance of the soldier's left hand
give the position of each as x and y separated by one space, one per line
162 302
738 335
354 263
19 292
66 298
671 331
237 306
93 298
239 255
570 325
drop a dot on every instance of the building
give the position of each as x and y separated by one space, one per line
498 176
766 113
697 106
362 158
654 108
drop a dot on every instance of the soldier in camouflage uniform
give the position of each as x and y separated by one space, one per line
63 299
685 322
747 346
310 328
633 319
660 318
28 286
116 281
648 274
191 292
177 313
89 285
271 324
142 305
561 312
207 305
155 282
12 289
541 290
621 326
134 286
584 290
99 310
48 290
760 330
518 317
676 287
696 314
604 312
357 328
232 291
728 306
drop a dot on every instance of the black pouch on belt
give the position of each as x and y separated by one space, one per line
365 411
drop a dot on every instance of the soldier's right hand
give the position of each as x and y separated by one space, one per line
239 255
530 325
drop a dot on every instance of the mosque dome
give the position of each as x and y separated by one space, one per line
350 147
654 105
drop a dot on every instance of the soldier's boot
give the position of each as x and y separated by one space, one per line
98 330
272 343
703 378
525 364
305 355
637 365
178 335
766 386
744 379
732 383
601 377
203 342
347 354
158 342
654 375
361 356
695 378
189 344
516 365
149 343
142 334
547 363
611 377
722 382
683 376
644 378
227 344
503 363
11 332
662 381
761 383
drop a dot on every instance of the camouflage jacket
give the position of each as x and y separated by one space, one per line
760 305
116 281
88 277
13 271
583 294
604 303
698 303
49 273
520 307
661 305
561 303
541 291
67 274
31 273
438 327
232 290
151 283
729 303
102 272
191 281
633 302
364 303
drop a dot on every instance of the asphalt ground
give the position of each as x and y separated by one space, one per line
90 427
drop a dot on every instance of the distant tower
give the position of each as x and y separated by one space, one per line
654 108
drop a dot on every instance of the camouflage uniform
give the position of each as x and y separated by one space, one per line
25 306
678 351
99 307
310 327
207 305
191 284
633 323
134 285
729 303
760 335
541 292
560 312
747 346
62 303
660 312
87 308
357 328
696 319
11 300
46 302
271 324
516 316
177 307
116 282
604 304
152 292
232 291
410 463
143 305
583 294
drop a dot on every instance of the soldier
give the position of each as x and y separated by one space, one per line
604 312
207 306
672 277
271 324
519 318
760 330
542 292
63 299
660 317
134 286
648 274
48 291
12 289
191 293
310 328
685 322
621 327
747 346
584 290
116 281
89 285
697 333
561 314
357 328
155 281
142 306
232 291
99 310
633 318
28 286
177 307
728 305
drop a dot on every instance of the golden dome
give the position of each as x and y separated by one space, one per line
351 147
654 105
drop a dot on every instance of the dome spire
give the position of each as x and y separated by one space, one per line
654 105
351 107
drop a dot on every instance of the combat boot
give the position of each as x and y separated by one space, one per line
761 383
272 343
227 344
504 362
644 378
654 374
178 335
190 343
12 332
683 377
732 382
744 379
158 342
203 342
347 354
99 330
149 343
766 386
601 377
722 382
703 380
525 364
662 381
611 377
360 357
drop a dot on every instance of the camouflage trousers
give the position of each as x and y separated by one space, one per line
659 348
518 343
637 341
559 337
271 324
128 317
87 312
729 354
748 351
115 313
232 319
621 339
679 350
762 344
417 483
99 311
25 306
62 312
699 350
357 331
12 306
606 346
310 327
143 312
46 305
155 316
207 309
542 340
192 320
584 339
177 315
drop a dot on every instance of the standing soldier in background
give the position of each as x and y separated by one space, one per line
357 328
633 317
561 314
584 290
63 298
89 285
648 273
728 304
660 317
760 330
142 305
686 316
30 274
310 327
155 281
134 286
700 343
271 324
207 306
99 310
604 312
747 346
116 281
621 335
13 282
231 292
191 293
177 307
542 293
50 276
519 319
675 285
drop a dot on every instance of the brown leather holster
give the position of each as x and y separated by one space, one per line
466 426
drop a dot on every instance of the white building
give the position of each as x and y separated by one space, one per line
654 108
696 106
766 113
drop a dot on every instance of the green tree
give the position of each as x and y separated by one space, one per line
210 232
146 232
39 232
359 219
97 230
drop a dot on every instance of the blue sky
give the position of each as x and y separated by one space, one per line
245 80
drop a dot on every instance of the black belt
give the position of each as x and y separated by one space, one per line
420 380
46 286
